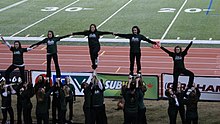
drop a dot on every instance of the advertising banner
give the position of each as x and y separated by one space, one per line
113 84
14 76
209 86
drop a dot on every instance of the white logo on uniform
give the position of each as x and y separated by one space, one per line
17 52
134 39
92 36
178 57
50 42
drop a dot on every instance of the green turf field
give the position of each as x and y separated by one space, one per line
166 19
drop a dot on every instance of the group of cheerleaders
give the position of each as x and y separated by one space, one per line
93 35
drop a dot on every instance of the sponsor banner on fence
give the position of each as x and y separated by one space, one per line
14 76
209 86
75 78
113 84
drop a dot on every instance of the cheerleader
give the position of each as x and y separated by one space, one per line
51 42
18 59
135 50
93 40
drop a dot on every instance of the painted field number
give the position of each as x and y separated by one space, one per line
189 10
70 9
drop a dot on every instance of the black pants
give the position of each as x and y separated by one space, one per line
141 116
27 113
87 114
181 110
130 118
12 68
70 101
94 55
98 115
55 59
55 108
132 60
19 111
172 112
11 114
42 117
185 72
191 117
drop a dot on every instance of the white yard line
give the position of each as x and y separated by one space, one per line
13 5
45 18
174 19
114 14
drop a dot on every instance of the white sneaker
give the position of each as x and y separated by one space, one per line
5 94
13 92
97 61
94 73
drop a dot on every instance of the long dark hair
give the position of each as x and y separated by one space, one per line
91 26
138 29
50 31
17 41
178 47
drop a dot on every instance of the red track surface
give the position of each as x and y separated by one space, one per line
115 60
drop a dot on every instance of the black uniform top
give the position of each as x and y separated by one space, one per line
27 94
87 96
93 37
131 100
42 84
191 102
24 96
6 101
51 43
141 99
43 101
180 97
72 94
18 55
135 41
97 95
172 102
178 58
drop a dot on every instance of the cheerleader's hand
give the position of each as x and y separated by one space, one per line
5 94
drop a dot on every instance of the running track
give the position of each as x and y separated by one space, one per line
115 60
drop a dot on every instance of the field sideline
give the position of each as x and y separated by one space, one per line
185 20
168 21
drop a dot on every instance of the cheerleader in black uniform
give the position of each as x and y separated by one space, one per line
135 50
18 61
179 66
93 40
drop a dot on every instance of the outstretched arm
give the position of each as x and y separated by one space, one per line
148 40
37 44
64 36
80 33
104 32
127 36
9 45
167 51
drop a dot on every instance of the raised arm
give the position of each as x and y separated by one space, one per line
127 36
9 45
187 48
